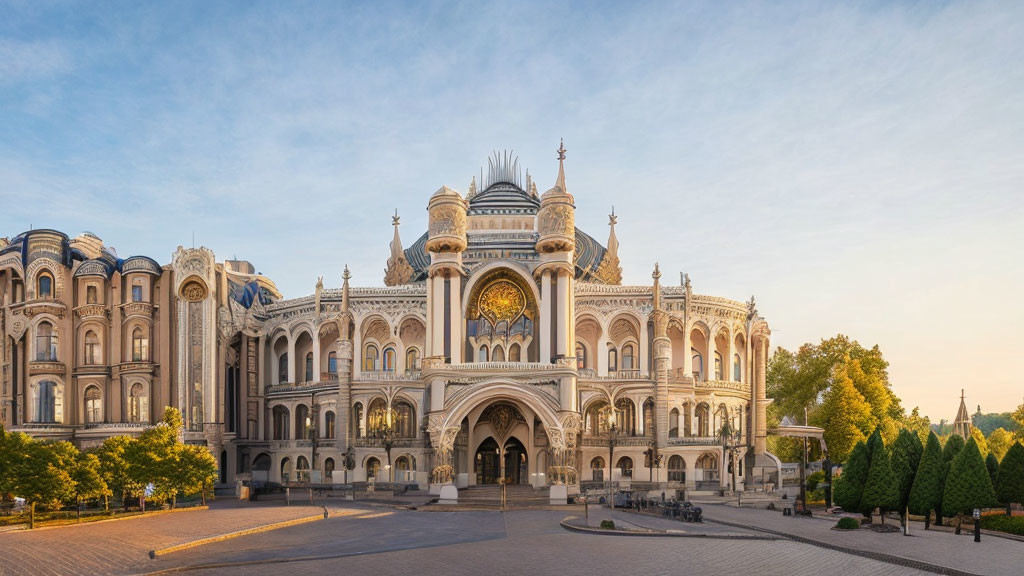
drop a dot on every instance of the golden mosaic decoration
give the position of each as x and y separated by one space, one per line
502 301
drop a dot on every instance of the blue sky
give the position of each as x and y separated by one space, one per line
858 167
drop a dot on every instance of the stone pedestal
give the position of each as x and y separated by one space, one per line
435 489
559 495
449 494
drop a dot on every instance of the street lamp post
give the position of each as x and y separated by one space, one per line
731 448
312 422
612 436
385 431
653 459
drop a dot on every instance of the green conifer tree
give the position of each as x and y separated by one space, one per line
967 485
882 489
926 492
954 444
1010 478
906 456
850 485
992 464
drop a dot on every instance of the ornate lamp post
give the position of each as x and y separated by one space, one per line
731 448
654 459
613 432
384 430
312 422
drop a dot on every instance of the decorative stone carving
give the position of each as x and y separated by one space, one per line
193 291
447 225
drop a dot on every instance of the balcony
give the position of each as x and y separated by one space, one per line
396 443
723 385
591 374
144 309
289 387
695 441
49 306
92 311
137 367
408 375
620 440
45 367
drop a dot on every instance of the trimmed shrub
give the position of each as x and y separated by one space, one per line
607 525
992 464
848 524
967 485
1008 524
850 485
1010 477
906 457
882 490
926 492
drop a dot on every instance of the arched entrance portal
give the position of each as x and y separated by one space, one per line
491 463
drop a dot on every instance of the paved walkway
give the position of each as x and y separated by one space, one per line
122 546
992 556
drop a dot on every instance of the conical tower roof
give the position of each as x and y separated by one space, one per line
962 424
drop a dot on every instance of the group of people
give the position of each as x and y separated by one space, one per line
671 508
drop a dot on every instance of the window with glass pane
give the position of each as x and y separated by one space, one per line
46 402
389 360
45 286
309 367
371 359
627 357
332 362
46 343
93 405
92 348
137 293
140 346
90 295
139 406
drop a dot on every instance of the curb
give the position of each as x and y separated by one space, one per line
230 535
887 558
655 533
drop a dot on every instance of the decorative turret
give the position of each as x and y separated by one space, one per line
472 189
962 424
399 271
609 271
557 217
447 214
344 288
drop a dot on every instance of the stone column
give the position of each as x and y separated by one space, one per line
316 354
437 320
687 354
602 354
545 317
760 441
564 316
291 359
261 382
455 303
731 373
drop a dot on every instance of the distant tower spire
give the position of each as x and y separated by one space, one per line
398 271
560 182
962 424
609 271
656 275
344 288
472 187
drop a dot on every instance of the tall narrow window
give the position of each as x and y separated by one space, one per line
90 295
46 402
46 343
498 355
93 405
371 360
309 367
483 356
137 293
140 346
139 405
357 420
45 285
698 364
718 366
92 348
389 359
581 356
282 368
736 371
412 360
628 358
329 425
515 353
332 363
613 360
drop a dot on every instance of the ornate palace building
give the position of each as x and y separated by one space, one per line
503 346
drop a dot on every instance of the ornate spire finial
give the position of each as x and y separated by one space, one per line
612 218
560 182
472 187
346 274
657 272
395 219
399 271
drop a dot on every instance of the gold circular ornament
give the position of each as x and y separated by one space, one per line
193 291
502 301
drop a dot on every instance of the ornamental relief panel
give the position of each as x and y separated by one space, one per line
53 267
557 220
447 220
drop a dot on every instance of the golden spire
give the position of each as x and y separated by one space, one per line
399 271
560 182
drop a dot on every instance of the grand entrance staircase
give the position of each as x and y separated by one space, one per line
516 495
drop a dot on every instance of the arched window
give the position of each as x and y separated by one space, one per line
625 416
46 342
47 404
688 420
280 423
286 469
372 468
649 417
483 356
581 356
412 360
597 469
329 425
90 294
140 346
302 424
138 407
93 405
92 348
676 469
309 367
332 363
613 360
498 355
357 420
737 372
302 469
673 423
371 359
329 468
698 364
625 465
718 366
282 368
703 420
44 285
406 425
514 353
628 358
389 359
